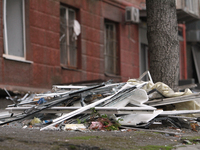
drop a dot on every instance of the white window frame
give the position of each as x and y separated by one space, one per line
192 6
6 50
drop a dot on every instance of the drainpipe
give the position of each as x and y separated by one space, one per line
184 53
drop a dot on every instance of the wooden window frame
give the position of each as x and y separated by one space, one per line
68 63
115 51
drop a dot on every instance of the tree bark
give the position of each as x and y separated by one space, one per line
162 35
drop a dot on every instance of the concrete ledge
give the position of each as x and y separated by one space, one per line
20 89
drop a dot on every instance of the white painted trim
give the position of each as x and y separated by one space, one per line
67 36
104 110
68 86
179 112
16 58
24 29
6 55
5 28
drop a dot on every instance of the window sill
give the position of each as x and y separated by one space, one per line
15 58
71 69
112 75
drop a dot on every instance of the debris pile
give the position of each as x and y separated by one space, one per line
107 106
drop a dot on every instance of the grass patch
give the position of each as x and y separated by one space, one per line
3 138
72 147
55 147
154 147
193 140
126 142
140 132
8 148
84 137
148 133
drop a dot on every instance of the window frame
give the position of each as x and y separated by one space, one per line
69 64
6 50
144 59
116 53
191 6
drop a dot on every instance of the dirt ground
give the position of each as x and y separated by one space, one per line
16 138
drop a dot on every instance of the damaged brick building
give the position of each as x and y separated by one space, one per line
46 42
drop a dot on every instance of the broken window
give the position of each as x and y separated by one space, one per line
111 49
68 39
14 29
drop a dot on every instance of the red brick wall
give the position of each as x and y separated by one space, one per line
12 72
139 3
129 42
44 40
42 27
129 52
92 40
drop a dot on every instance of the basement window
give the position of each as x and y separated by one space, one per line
68 39
14 29
111 51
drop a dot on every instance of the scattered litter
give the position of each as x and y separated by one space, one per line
47 121
122 107
186 142
96 125
35 121
74 127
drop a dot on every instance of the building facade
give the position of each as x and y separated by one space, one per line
47 42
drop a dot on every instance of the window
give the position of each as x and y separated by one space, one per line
144 63
68 41
192 6
14 29
111 49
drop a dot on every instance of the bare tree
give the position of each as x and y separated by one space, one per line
162 35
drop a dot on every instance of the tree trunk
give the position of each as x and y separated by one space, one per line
162 35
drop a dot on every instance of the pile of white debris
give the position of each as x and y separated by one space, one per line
107 106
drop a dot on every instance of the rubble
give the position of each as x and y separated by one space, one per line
107 106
